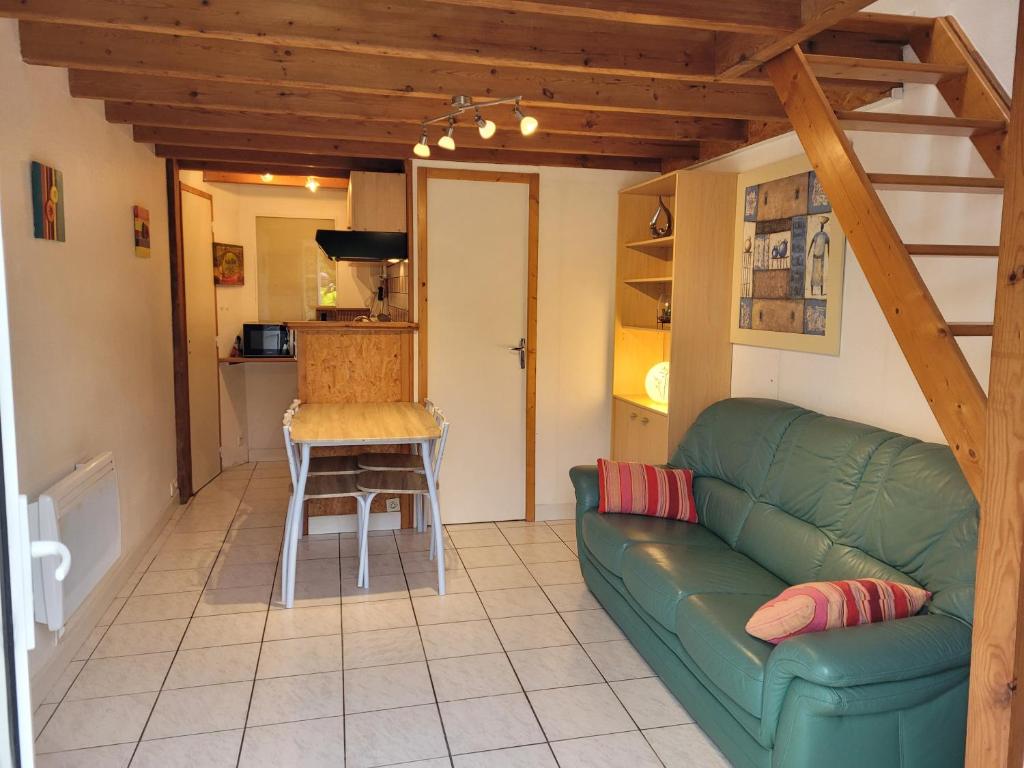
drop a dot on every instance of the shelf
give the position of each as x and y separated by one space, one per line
655 246
646 328
647 280
662 185
643 401
239 360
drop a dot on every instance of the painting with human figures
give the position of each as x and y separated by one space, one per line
789 249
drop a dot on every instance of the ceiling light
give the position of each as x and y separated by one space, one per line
266 178
448 140
312 184
527 123
421 148
486 127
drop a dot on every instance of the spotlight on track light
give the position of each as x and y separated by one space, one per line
486 127
421 148
448 140
527 123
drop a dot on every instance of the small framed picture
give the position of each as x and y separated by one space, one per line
228 264
141 217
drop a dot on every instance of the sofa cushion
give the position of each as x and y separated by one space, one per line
608 536
710 628
644 489
658 576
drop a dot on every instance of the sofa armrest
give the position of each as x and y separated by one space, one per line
887 652
584 480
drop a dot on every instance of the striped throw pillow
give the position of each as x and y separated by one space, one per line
643 489
821 605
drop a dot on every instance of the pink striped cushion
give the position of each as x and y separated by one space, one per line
821 605
643 489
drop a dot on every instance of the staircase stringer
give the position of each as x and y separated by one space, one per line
936 360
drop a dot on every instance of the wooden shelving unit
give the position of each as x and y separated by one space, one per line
691 269
239 360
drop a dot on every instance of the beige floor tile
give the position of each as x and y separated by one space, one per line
303 622
445 609
467 677
183 559
483 557
227 629
129 585
594 626
398 685
564 531
390 587
300 656
618 660
363 617
536 756
382 646
503 524
96 722
121 676
169 582
501 577
258 519
520 633
464 638
421 562
317 570
317 547
522 601
534 534
310 744
650 703
583 710
308 594
611 751
375 545
571 597
178 605
64 682
413 541
87 647
213 666
199 521
483 537
547 574
116 756
247 554
556 667
256 536
303 697
683 746
493 722
215 602
199 710
41 717
380 565
113 609
484 526
425 584
544 552
573 547
148 637
202 750
226 576
370 737
204 540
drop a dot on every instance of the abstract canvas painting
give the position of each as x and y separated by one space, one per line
47 202
789 266
141 217
228 264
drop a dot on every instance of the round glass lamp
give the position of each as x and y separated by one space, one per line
656 382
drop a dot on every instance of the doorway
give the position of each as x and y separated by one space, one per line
477 263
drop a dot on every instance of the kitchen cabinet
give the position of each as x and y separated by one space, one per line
639 432
376 202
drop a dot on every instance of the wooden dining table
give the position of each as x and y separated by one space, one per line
354 424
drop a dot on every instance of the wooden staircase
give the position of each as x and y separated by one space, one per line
985 432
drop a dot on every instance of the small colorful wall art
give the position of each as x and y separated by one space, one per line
789 266
47 202
141 217
228 264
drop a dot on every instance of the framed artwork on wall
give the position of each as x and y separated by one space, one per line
47 202
228 264
789 255
140 216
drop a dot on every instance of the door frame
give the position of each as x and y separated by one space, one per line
532 180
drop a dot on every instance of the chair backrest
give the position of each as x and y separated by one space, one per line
435 460
289 446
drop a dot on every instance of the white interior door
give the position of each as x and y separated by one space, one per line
201 324
478 255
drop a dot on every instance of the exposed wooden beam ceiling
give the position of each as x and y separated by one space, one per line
226 166
278 180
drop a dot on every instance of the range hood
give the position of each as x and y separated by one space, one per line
351 245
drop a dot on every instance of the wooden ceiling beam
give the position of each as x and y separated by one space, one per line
278 180
219 157
213 166
320 133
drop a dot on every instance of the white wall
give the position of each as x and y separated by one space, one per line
90 322
575 315
253 396
870 380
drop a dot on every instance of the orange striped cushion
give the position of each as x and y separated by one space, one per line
821 605
643 489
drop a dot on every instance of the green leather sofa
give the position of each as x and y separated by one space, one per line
787 496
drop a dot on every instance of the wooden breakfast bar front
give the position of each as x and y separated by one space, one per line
354 362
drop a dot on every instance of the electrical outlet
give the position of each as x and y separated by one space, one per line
174 487
394 505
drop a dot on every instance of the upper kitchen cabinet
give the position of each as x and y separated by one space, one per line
376 202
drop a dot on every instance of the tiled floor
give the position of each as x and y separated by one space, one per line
197 664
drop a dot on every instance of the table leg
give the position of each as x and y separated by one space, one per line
435 512
288 567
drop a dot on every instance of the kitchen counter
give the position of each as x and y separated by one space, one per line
342 325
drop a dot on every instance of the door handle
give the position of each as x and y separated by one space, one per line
521 349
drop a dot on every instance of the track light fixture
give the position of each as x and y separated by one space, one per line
527 123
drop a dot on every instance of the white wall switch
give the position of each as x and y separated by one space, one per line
393 505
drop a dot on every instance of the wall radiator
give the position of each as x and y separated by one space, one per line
83 512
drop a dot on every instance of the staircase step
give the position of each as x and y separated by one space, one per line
852 68
971 329
973 251
890 122
909 182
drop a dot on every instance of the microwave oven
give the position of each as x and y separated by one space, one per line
267 340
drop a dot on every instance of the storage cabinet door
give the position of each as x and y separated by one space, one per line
653 437
625 432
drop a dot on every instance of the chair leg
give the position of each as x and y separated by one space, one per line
294 532
363 535
435 516
286 548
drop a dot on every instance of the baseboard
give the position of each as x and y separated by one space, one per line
85 619
267 454
379 521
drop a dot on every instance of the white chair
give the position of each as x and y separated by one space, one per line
318 486
400 482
